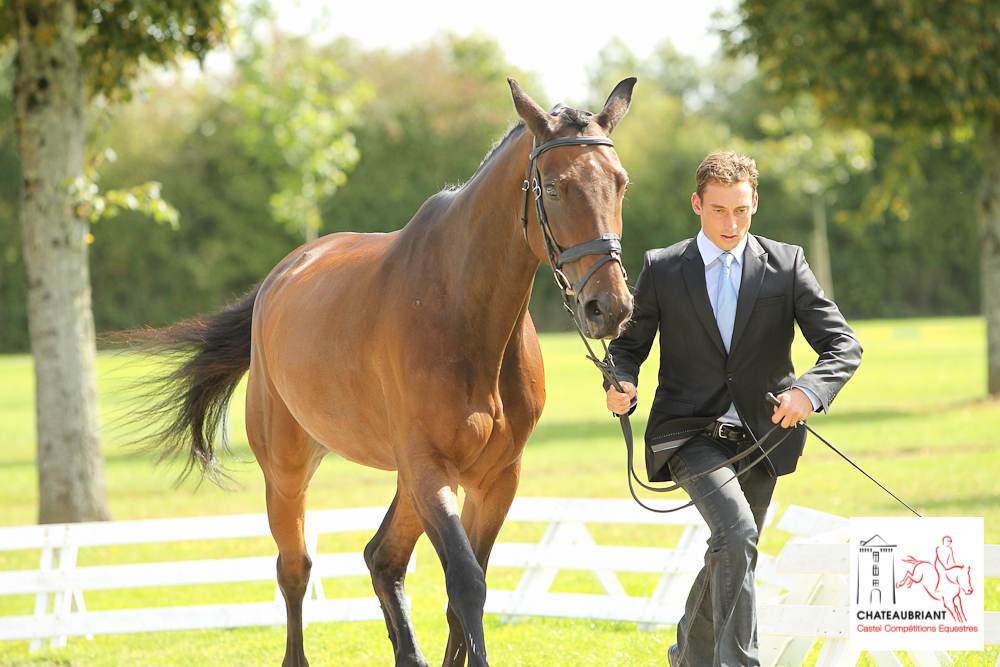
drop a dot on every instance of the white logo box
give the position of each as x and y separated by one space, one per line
917 583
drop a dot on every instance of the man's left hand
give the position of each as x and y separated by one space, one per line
795 407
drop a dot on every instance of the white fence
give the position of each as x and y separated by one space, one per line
813 568
59 585
568 545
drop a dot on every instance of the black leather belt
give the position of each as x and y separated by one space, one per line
725 431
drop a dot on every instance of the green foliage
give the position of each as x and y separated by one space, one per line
145 198
429 118
119 38
884 61
295 110
226 241
432 118
805 153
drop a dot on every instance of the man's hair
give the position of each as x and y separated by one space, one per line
726 168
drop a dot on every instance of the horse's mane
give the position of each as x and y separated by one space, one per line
514 130
574 117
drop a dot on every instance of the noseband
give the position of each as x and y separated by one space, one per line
608 245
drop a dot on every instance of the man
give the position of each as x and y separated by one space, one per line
725 304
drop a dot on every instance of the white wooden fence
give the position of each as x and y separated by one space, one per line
813 568
568 545
59 585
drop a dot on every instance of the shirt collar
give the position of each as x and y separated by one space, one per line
710 252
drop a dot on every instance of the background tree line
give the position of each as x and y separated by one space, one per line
423 120
872 123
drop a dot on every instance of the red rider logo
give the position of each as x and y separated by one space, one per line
943 579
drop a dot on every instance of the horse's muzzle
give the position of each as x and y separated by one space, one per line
603 315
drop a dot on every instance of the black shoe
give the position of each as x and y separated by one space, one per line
673 655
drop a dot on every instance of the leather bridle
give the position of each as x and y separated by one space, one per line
608 245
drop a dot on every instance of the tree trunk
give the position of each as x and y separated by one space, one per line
820 260
989 220
50 104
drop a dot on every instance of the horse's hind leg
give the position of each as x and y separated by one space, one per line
288 458
387 555
483 513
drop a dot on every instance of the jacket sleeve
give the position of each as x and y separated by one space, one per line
829 335
631 348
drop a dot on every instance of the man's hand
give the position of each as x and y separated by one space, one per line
620 403
795 407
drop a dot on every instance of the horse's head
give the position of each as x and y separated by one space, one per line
965 580
578 210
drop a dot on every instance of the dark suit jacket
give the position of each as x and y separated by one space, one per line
697 379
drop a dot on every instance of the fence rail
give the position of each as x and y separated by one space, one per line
801 592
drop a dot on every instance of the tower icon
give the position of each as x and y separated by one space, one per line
876 568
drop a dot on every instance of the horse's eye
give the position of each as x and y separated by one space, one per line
550 190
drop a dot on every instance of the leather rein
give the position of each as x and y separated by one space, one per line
610 246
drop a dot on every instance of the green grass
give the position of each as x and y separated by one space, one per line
914 417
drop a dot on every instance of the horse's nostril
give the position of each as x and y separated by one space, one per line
594 312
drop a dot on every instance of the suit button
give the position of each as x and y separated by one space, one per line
729 377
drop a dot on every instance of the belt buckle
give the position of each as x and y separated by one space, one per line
725 431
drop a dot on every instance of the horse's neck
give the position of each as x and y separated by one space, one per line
492 264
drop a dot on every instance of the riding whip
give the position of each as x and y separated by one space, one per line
772 399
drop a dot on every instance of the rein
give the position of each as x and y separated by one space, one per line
610 246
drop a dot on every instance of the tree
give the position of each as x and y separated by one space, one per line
811 159
297 111
900 64
67 53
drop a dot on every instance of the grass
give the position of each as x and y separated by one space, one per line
914 417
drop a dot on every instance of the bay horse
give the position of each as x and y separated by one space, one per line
413 351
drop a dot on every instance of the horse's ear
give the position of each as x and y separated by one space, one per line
539 121
617 105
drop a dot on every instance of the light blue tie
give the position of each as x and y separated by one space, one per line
726 307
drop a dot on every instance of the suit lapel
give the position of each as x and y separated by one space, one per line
694 278
754 262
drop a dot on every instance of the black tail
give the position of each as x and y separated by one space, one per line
206 357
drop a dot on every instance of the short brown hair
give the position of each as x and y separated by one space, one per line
726 168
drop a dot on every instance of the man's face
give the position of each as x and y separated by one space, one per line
726 211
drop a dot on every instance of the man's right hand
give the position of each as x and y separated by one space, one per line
621 402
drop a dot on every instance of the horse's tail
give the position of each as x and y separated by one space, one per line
912 561
205 359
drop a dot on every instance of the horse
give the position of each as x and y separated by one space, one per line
944 584
412 351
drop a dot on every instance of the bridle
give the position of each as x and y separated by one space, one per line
608 245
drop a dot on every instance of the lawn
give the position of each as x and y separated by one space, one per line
914 417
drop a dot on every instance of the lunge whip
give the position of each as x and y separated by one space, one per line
774 401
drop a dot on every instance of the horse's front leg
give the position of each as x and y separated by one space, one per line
433 491
483 513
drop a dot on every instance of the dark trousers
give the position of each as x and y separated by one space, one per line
719 626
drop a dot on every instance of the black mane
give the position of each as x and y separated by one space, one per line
575 118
